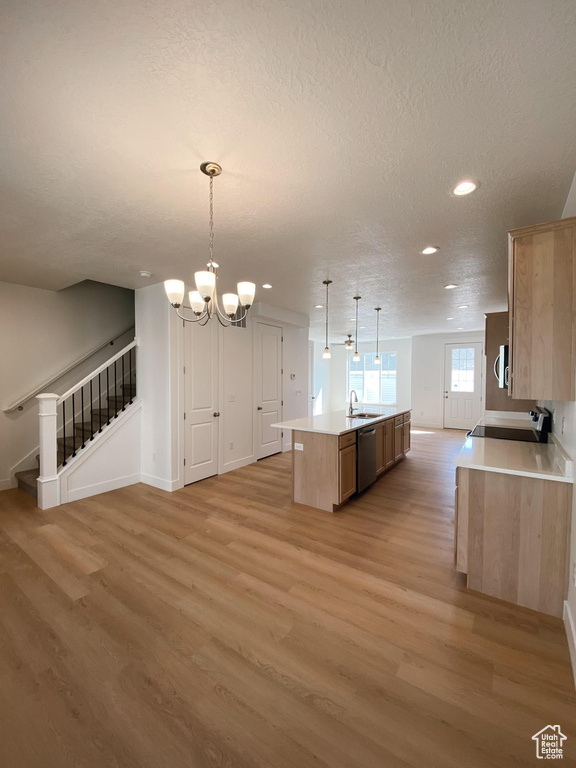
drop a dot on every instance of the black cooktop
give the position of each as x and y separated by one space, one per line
506 433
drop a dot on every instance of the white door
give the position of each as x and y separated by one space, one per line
201 422
462 385
268 382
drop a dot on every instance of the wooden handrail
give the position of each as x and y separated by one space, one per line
76 363
98 370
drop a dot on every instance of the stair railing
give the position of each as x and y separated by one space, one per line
65 416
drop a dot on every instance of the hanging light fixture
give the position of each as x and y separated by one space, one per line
349 344
326 354
377 310
356 356
204 300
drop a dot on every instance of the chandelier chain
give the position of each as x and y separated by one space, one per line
211 218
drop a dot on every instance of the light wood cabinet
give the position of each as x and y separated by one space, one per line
380 447
542 302
389 455
512 537
406 437
398 442
347 473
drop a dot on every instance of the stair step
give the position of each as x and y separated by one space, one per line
129 387
118 401
27 481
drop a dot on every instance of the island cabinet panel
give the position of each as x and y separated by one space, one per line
512 535
398 441
347 473
389 455
380 447
315 469
542 333
406 437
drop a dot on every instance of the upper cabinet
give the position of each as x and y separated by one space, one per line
542 301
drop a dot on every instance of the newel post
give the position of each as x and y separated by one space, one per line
48 484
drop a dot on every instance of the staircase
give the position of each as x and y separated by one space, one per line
113 386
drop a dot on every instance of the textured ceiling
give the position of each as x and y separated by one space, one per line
341 126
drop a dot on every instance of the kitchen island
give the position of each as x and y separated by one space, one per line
326 450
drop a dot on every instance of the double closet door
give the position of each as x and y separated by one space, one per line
205 400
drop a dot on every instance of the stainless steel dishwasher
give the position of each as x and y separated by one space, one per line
365 458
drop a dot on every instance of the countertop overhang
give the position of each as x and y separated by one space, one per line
338 422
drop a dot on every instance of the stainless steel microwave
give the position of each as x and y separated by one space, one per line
501 367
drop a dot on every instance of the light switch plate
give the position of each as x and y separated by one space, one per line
298 446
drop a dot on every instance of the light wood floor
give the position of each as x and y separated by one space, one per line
222 626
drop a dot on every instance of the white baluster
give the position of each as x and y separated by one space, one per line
48 484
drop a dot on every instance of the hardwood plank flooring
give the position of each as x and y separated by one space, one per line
222 625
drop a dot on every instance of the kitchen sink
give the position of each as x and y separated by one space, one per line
365 416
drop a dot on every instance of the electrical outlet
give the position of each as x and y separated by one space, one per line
232 399
563 425
231 445
298 446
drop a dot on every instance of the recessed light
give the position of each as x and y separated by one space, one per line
266 285
145 273
319 306
464 188
450 286
463 306
429 249
460 328
353 319
362 327
449 318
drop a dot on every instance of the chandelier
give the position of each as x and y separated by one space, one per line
204 301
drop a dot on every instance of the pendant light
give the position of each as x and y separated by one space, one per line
377 310
204 301
349 344
356 356
326 354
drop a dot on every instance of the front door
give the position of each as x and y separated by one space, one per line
201 422
462 385
268 380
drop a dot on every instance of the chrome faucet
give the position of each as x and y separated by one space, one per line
351 409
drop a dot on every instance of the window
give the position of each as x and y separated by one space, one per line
374 382
462 369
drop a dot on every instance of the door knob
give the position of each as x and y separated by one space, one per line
216 413
259 408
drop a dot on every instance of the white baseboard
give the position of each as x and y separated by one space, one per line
108 485
232 465
425 425
571 635
5 485
159 482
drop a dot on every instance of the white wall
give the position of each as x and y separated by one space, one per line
322 380
159 385
43 333
564 428
295 390
428 375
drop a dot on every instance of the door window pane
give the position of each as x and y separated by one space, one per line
462 369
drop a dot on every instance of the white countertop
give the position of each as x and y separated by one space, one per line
545 461
338 422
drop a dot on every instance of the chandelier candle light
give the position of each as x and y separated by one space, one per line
377 310
356 356
326 354
204 300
